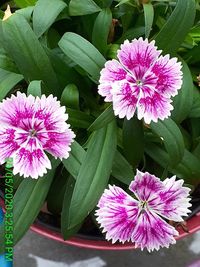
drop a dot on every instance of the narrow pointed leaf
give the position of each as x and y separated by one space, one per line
106 117
195 109
148 16
133 141
121 169
65 230
6 63
7 81
34 88
101 30
183 101
188 168
26 209
83 7
83 53
73 163
43 20
94 173
25 3
174 31
70 97
79 119
24 48
172 139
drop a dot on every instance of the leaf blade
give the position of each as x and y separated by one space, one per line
83 53
92 178
43 20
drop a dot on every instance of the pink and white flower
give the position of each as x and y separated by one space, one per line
30 126
141 80
142 219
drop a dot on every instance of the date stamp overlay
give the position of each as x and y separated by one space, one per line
6 260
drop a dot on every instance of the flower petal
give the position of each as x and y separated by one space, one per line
146 186
117 214
152 232
125 98
112 72
17 111
138 54
169 75
30 160
50 114
57 144
8 144
154 106
173 201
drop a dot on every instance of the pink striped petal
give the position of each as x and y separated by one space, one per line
138 54
157 78
29 127
8 144
112 72
152 232
30 160
117 214
169 75
173 202
51 114
146 186
17 111
125 98
57 144
153 107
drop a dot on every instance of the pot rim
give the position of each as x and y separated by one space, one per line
193 225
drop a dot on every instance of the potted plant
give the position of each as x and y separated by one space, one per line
100 92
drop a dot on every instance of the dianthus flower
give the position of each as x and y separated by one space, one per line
141 80
142 219
29 127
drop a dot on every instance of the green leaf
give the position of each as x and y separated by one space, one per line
70 97
107 3
121 169
106 117
43 20
26 208
34 88
148 16
17 179
76 157
79 119
101 30
172 138
83 53
174 31
183 101
58 188
94 173
25 3
65 230
7 81
26 13
65 74
24 48
195 109
193 55
133 140
6 62
132 33
188 168
83 7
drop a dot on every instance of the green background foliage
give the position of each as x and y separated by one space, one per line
60 49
